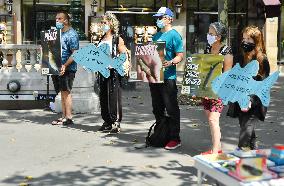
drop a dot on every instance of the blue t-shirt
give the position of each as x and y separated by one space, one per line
69 42
173 45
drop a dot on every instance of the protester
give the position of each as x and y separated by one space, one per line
64 82
252 49
164 95
110 88
217 33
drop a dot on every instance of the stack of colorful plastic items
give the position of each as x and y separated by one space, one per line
277 154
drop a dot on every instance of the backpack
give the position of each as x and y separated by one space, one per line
161 135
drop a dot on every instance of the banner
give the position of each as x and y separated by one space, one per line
147 65
237 84
199 71
51 51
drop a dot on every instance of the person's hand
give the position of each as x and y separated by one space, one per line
247 109
167 63
62 70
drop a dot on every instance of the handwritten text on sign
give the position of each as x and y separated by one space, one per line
199 71
237 85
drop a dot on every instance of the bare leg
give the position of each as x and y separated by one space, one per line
63 105
213 119
67 104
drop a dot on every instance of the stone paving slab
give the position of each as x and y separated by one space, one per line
78 155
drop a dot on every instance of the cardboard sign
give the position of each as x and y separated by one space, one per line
199 71
98 59
51 51
237 84
147 66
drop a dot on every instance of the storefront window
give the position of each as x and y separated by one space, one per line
208 6
40 15
192 4
200 13
137 3
126 3
30 2
160 3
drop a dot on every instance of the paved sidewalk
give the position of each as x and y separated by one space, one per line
78 155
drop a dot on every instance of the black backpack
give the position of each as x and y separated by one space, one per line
161 135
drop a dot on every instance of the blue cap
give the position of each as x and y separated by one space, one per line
164 11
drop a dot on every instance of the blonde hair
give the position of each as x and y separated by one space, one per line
114 23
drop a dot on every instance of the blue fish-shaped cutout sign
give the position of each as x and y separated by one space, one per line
98 59
237 84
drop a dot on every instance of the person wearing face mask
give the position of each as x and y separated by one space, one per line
253 48
164 95
64 82
217 33
110 88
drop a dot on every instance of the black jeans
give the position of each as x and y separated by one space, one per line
164 97
110 97
247 137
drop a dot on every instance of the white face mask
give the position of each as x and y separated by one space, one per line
211 39
106 28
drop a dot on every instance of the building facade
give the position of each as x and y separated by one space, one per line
26 18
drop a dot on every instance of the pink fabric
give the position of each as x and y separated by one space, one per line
271 2
213 105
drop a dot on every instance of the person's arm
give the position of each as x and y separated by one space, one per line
68 62
178 48
228 62
266 67
121 46
175 61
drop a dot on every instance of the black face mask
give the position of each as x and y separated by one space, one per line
247 47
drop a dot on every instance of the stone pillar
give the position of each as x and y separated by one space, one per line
84 98
271 30
17 11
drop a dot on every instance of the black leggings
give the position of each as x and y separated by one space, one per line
110 97
247 137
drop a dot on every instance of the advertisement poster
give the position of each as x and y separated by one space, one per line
51 51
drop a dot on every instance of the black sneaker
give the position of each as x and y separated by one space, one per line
105 127
115 128
68 122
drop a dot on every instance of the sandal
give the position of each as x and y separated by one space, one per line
59 121
68 122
